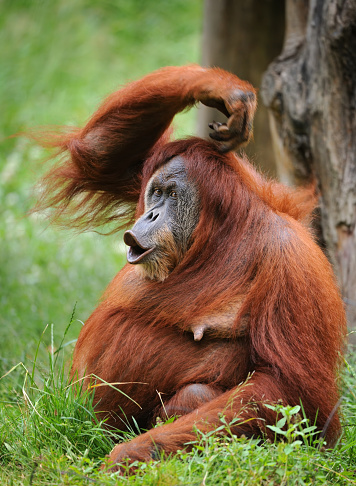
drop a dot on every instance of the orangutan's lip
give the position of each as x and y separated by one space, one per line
136 252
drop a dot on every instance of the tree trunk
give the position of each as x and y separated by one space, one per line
310 90
243 37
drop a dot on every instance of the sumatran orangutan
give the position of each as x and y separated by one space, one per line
226 303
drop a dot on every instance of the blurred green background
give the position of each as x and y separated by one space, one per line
58 60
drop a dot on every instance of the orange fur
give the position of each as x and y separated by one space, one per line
252 241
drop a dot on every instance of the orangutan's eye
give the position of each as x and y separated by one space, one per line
173 194
157 192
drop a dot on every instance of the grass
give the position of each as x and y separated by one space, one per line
49 435
59 58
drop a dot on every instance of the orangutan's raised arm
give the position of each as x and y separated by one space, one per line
104 159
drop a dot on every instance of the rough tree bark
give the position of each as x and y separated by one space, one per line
310 90
243 37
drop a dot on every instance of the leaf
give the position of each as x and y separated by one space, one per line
282 422
277 430
307 430
8 447
290 447
271 407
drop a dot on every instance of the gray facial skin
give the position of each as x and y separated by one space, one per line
161 236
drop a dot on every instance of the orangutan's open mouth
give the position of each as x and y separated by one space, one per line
136 251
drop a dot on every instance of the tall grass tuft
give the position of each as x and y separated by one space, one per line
47 415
